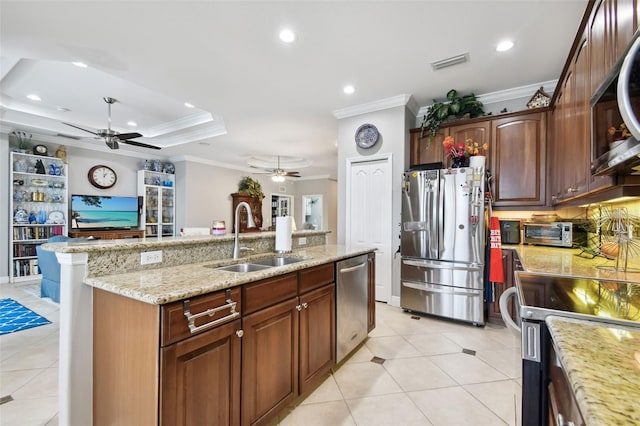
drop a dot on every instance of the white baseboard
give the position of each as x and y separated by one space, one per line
395 301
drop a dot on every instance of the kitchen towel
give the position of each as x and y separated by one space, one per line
283 233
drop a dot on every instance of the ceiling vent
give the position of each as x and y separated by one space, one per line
449 62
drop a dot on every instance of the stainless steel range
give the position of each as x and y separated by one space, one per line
614 301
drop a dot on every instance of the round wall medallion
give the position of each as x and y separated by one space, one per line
367 136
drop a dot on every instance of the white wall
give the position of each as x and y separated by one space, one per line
328 189
393 125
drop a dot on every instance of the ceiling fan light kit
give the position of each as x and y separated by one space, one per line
278 174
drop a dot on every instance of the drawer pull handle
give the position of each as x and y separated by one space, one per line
231 305
240 333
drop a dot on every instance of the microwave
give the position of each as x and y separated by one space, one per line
556 234
615 110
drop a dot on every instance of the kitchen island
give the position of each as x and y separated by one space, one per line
128 309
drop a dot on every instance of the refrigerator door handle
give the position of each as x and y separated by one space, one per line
449 290
441 265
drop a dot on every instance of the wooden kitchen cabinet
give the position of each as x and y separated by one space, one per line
288 347
317 335
424 150
269 361
518 160
201 379
508 265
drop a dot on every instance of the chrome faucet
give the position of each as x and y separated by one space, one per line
250 223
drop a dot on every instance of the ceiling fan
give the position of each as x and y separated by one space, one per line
278 174
111 137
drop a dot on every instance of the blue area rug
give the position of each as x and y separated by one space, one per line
15 317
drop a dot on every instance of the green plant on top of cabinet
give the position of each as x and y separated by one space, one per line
158 204
37 209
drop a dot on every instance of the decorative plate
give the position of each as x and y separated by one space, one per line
39 182
56 217
367 136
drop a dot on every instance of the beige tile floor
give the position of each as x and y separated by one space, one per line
425 379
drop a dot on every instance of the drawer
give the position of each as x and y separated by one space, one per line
268 292
316 276
175 325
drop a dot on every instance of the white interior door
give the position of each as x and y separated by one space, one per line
368 210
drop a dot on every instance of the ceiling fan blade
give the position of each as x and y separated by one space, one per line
140 144
125 136
291 173
80 128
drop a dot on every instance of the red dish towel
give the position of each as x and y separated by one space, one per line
496 270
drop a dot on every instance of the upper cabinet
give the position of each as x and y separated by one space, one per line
518 158
514 139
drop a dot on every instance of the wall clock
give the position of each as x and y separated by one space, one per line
367 136
40 149
102 177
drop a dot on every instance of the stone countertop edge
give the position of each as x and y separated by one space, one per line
153 243
169 284
602 363
565 261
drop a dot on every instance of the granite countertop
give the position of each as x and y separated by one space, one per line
565 261
164 285
602 363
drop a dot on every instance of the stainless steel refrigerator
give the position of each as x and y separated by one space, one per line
443 243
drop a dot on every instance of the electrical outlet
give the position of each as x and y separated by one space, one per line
149 257
302 241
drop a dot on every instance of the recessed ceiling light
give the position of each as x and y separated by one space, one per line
188 105
80 64
63 109
349 89
505 45
287 36
34 97
132 123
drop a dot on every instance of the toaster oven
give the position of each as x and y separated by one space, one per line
556 234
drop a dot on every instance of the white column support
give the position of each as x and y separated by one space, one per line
75 379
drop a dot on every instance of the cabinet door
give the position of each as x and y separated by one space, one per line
317 335
624 22
598 39
579 146
480 132
269 361
519 160
494 307
424 150
200 379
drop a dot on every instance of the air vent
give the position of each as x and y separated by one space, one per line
449 62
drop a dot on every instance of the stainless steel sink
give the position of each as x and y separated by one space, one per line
277 261
242 267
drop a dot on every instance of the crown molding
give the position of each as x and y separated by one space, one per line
507 94
382 104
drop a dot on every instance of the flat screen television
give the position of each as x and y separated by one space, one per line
105 212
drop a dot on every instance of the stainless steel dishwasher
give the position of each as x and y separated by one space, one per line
351 304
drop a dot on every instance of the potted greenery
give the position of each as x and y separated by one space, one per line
455 107
250 187
22 140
